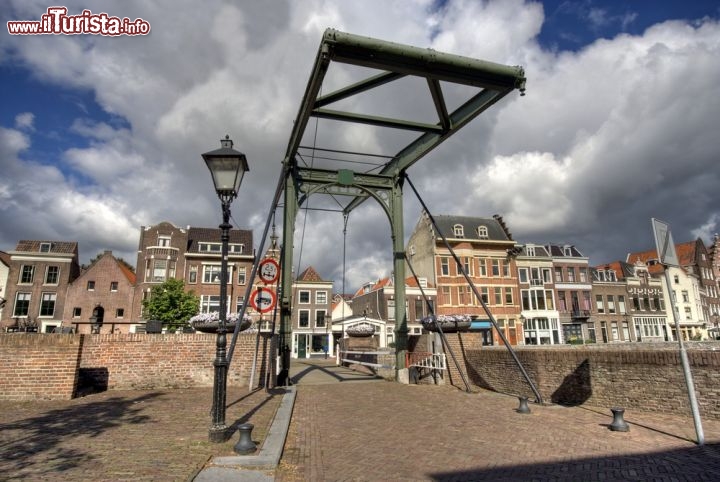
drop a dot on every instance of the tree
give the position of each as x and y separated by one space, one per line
170 304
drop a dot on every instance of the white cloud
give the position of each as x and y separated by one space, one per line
606 137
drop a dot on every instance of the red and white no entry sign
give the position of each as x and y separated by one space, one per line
263 299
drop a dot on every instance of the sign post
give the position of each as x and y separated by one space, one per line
668 257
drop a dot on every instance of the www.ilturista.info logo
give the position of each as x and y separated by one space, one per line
57 22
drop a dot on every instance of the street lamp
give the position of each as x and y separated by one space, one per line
227 168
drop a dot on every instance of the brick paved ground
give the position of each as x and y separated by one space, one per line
389 431
122 435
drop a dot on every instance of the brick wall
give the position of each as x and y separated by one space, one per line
645 377
38 366
53 366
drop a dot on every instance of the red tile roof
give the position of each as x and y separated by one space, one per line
310 275
685 253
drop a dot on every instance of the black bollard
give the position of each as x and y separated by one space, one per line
245 445
618 424
523 408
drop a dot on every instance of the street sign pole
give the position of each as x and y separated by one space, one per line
668 257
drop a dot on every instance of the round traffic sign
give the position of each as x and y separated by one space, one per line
263 299
268 270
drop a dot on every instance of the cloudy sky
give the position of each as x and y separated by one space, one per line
100 135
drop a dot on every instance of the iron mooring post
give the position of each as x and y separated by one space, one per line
618 424
245 445
523 408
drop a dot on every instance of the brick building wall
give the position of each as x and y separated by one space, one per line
648 378
38 367
51 366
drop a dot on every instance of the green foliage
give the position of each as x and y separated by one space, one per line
170 304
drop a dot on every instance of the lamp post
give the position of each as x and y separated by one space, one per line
227 168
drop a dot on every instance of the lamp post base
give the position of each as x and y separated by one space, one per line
218 434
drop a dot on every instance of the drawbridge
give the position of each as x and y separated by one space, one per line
352 86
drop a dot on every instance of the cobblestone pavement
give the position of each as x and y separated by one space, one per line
389 431
122 435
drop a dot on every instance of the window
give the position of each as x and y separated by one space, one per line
562 306
22 304
304 318
467 265
236 248
583 275
211 273
621 304
508 296
611 304
210 304
27 273
239 304
558 275
419 305
446 300
159 270
523 275
120 313
482 232
685 297
47 304
210 247
484 294
320 319
676 279
445 266
611 276
599 304
77 311
171 269
321 297
546 275
506 270
304 296
549 303
688 313
242 274
571 274
164 241
458 231
113 286
45 247
391 308
463 295
91 285
530 250
52 274
483 266
192 274
496 267
498 296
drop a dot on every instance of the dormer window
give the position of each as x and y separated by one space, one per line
45 247
530 250
482 232
611 275
567 250
459 231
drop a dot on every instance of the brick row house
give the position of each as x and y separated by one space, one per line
193 255
38 277
484 247
311 325
540 316
376 300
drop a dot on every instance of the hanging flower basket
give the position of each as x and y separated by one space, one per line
448 323
358 330
210 322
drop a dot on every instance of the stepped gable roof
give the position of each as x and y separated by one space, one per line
310 275
60 247
212 235
5 258
496 232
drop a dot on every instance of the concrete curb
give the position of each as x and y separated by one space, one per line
268 457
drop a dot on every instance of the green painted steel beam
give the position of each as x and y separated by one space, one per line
357 88
383 55
376 120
